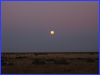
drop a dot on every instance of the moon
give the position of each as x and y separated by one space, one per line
51 32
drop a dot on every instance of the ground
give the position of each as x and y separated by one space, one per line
50 63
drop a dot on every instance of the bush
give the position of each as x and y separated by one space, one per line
38 62
71 58
91 53
61 62
37 59
20 57
10 64
2 60
50 59
80 58
96 58
35 54
68 70
10 58
90 60
56 57
3 64
40 54
3 57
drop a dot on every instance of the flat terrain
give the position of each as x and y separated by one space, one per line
50 63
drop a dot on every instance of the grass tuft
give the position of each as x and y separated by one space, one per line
38 62
3 64
50 59
61 62
96 58
10 64
81 58
2 60
71 58
20 57
90 60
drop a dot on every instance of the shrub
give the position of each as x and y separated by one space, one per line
3 57
38 62
71 58
36 59
20 57
2 60
10 64
56 57
10 58
90 60
61 62
35 54
80 58
3 64
50 59
91 53
96 58
68 70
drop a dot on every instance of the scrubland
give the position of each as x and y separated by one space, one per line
50 63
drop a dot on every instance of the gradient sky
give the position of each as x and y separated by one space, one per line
26 26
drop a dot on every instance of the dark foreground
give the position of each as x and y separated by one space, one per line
50 63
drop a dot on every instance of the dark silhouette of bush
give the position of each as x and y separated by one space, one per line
81 58
61 62
96 58
50 59
56 57
20 57
71 58
90 60
3 64
37 59
40 54
68 70
3 57
68 53
10 64
91 53
10 58
38 62
35 54
2 60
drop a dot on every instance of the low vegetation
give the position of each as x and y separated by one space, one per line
96 58
71 58
92 53
36 59
2 60
81 58
61 62
10 64
20 57
50 59
90 60
3 64
3 57
40 54
38 62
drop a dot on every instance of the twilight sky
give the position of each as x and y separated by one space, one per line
26 26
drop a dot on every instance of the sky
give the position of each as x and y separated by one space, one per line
26 26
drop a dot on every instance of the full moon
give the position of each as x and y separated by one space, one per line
52 32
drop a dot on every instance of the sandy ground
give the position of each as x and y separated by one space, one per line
50 63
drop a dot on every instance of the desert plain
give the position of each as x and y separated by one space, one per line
50 63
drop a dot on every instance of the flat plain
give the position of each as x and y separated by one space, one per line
50 63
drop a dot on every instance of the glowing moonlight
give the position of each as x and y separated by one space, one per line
52 32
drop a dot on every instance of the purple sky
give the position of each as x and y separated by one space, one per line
26 26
